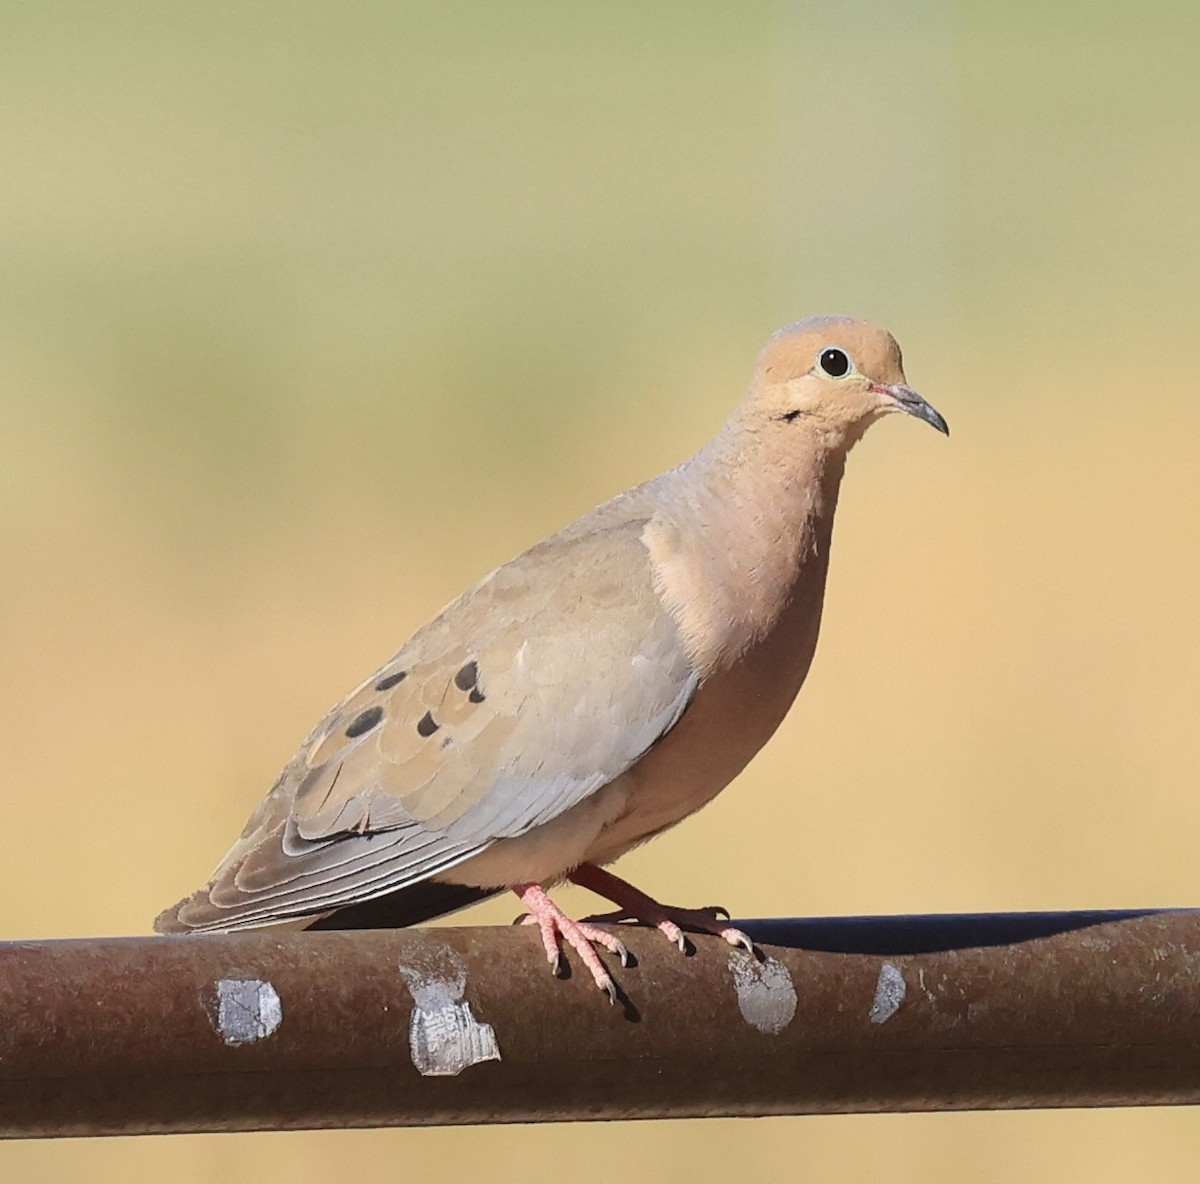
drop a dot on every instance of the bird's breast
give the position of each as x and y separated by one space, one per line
734 713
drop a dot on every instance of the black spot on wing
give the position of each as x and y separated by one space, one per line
427 725
468 676
476 696
386 684
364 722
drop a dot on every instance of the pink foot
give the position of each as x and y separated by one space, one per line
636 906
579 935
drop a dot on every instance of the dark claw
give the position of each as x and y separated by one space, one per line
719 911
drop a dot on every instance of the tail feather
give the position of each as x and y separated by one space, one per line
411 905
407 906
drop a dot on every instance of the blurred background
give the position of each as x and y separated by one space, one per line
273 278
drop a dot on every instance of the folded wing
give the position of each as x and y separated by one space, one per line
535 688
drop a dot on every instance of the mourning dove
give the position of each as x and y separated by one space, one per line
587 695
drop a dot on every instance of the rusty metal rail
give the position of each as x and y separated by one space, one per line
422 1026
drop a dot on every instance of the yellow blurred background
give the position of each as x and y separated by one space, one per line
312 313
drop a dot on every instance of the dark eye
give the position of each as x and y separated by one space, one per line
834 362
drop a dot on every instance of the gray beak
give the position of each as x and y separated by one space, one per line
913 404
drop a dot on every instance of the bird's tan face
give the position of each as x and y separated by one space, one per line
836 374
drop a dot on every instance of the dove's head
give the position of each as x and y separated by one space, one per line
837 375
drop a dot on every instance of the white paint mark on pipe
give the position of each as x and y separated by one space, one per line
245 1010
889 994
444 1038
765 993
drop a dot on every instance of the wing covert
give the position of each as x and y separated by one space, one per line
542 683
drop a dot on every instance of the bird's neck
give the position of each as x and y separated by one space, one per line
752 543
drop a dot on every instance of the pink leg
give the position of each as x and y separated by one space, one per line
580 936
634 905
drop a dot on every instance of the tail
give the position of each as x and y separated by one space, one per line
411 905
198 914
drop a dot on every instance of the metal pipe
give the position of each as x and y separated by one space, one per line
287 1030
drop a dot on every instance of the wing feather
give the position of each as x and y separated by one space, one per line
541 684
